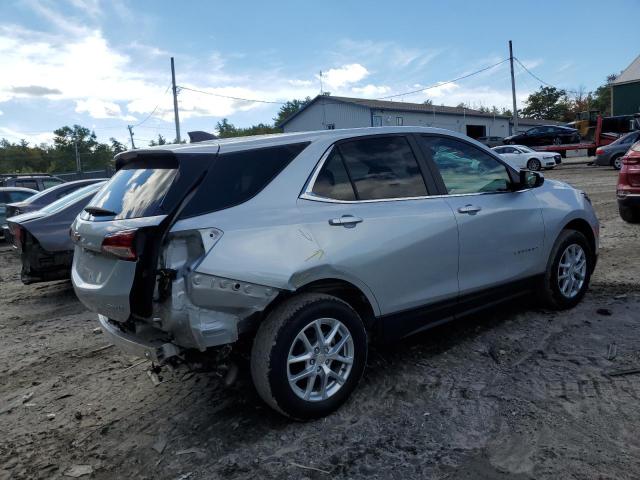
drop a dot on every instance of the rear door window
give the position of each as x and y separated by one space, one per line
382 168
333 181
237 177
27 184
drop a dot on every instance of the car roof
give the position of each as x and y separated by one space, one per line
17 189
261 141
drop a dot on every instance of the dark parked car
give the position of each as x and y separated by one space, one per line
544 135
42 237
8 195
48 196
490 141
611 155
628 189
35 181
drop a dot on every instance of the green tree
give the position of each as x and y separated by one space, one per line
602 96
116 146
288 109
549 103
161 141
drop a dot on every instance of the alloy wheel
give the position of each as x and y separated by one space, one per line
557 141
572 270
320 359
617 163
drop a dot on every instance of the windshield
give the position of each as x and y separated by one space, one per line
525 149
71 198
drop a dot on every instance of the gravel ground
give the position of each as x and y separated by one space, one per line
512 393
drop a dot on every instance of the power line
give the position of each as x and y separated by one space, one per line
229 96
153 111
439 84
540 80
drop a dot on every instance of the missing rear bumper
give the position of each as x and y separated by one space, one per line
145 342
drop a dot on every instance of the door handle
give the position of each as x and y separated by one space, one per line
469 209
346 221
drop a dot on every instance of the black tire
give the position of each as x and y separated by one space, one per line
549 293
629 214
275 337
616 161
557 141
534 164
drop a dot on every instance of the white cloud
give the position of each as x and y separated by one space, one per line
371 90
385 52
100 109
339 77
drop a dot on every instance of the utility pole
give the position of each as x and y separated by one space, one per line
78 164
133 145
513 91
175 100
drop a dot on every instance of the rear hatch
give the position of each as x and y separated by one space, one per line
119 234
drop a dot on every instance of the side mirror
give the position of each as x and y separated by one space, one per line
529 179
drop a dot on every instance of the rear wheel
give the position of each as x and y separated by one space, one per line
534 164
568 271
616 162
629 214
309 355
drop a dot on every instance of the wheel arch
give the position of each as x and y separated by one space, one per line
360 300
582 226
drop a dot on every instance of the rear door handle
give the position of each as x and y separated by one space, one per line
345 221
469 209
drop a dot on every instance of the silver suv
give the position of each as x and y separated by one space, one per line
310 244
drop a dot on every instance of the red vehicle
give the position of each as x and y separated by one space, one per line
628 190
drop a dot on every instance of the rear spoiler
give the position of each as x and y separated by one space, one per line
200 136
130 155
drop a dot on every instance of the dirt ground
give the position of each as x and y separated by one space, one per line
510 394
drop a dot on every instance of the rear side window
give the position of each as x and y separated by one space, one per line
18 196
383 167
237 177
27 184
333 181
137 189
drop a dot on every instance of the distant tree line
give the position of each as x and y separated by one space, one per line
61 156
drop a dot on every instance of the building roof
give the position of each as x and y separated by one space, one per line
629 74
396 106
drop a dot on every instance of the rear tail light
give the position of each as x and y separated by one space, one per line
599 151
121 244
18 235
631 160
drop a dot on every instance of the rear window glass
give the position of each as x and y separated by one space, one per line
71 198
236 177
137 189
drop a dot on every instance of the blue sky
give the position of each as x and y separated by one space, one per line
105 64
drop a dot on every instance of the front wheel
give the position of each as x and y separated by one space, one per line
557 141
534 164
568 273
309 355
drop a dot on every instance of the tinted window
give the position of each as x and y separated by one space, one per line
71 198
236 177
137 189
383 167
18 196
50 182
27 184
333 181
464 168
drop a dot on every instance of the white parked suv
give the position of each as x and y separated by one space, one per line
311 244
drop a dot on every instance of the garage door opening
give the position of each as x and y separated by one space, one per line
476 131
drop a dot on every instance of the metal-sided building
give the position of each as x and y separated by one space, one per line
329 112
625 90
